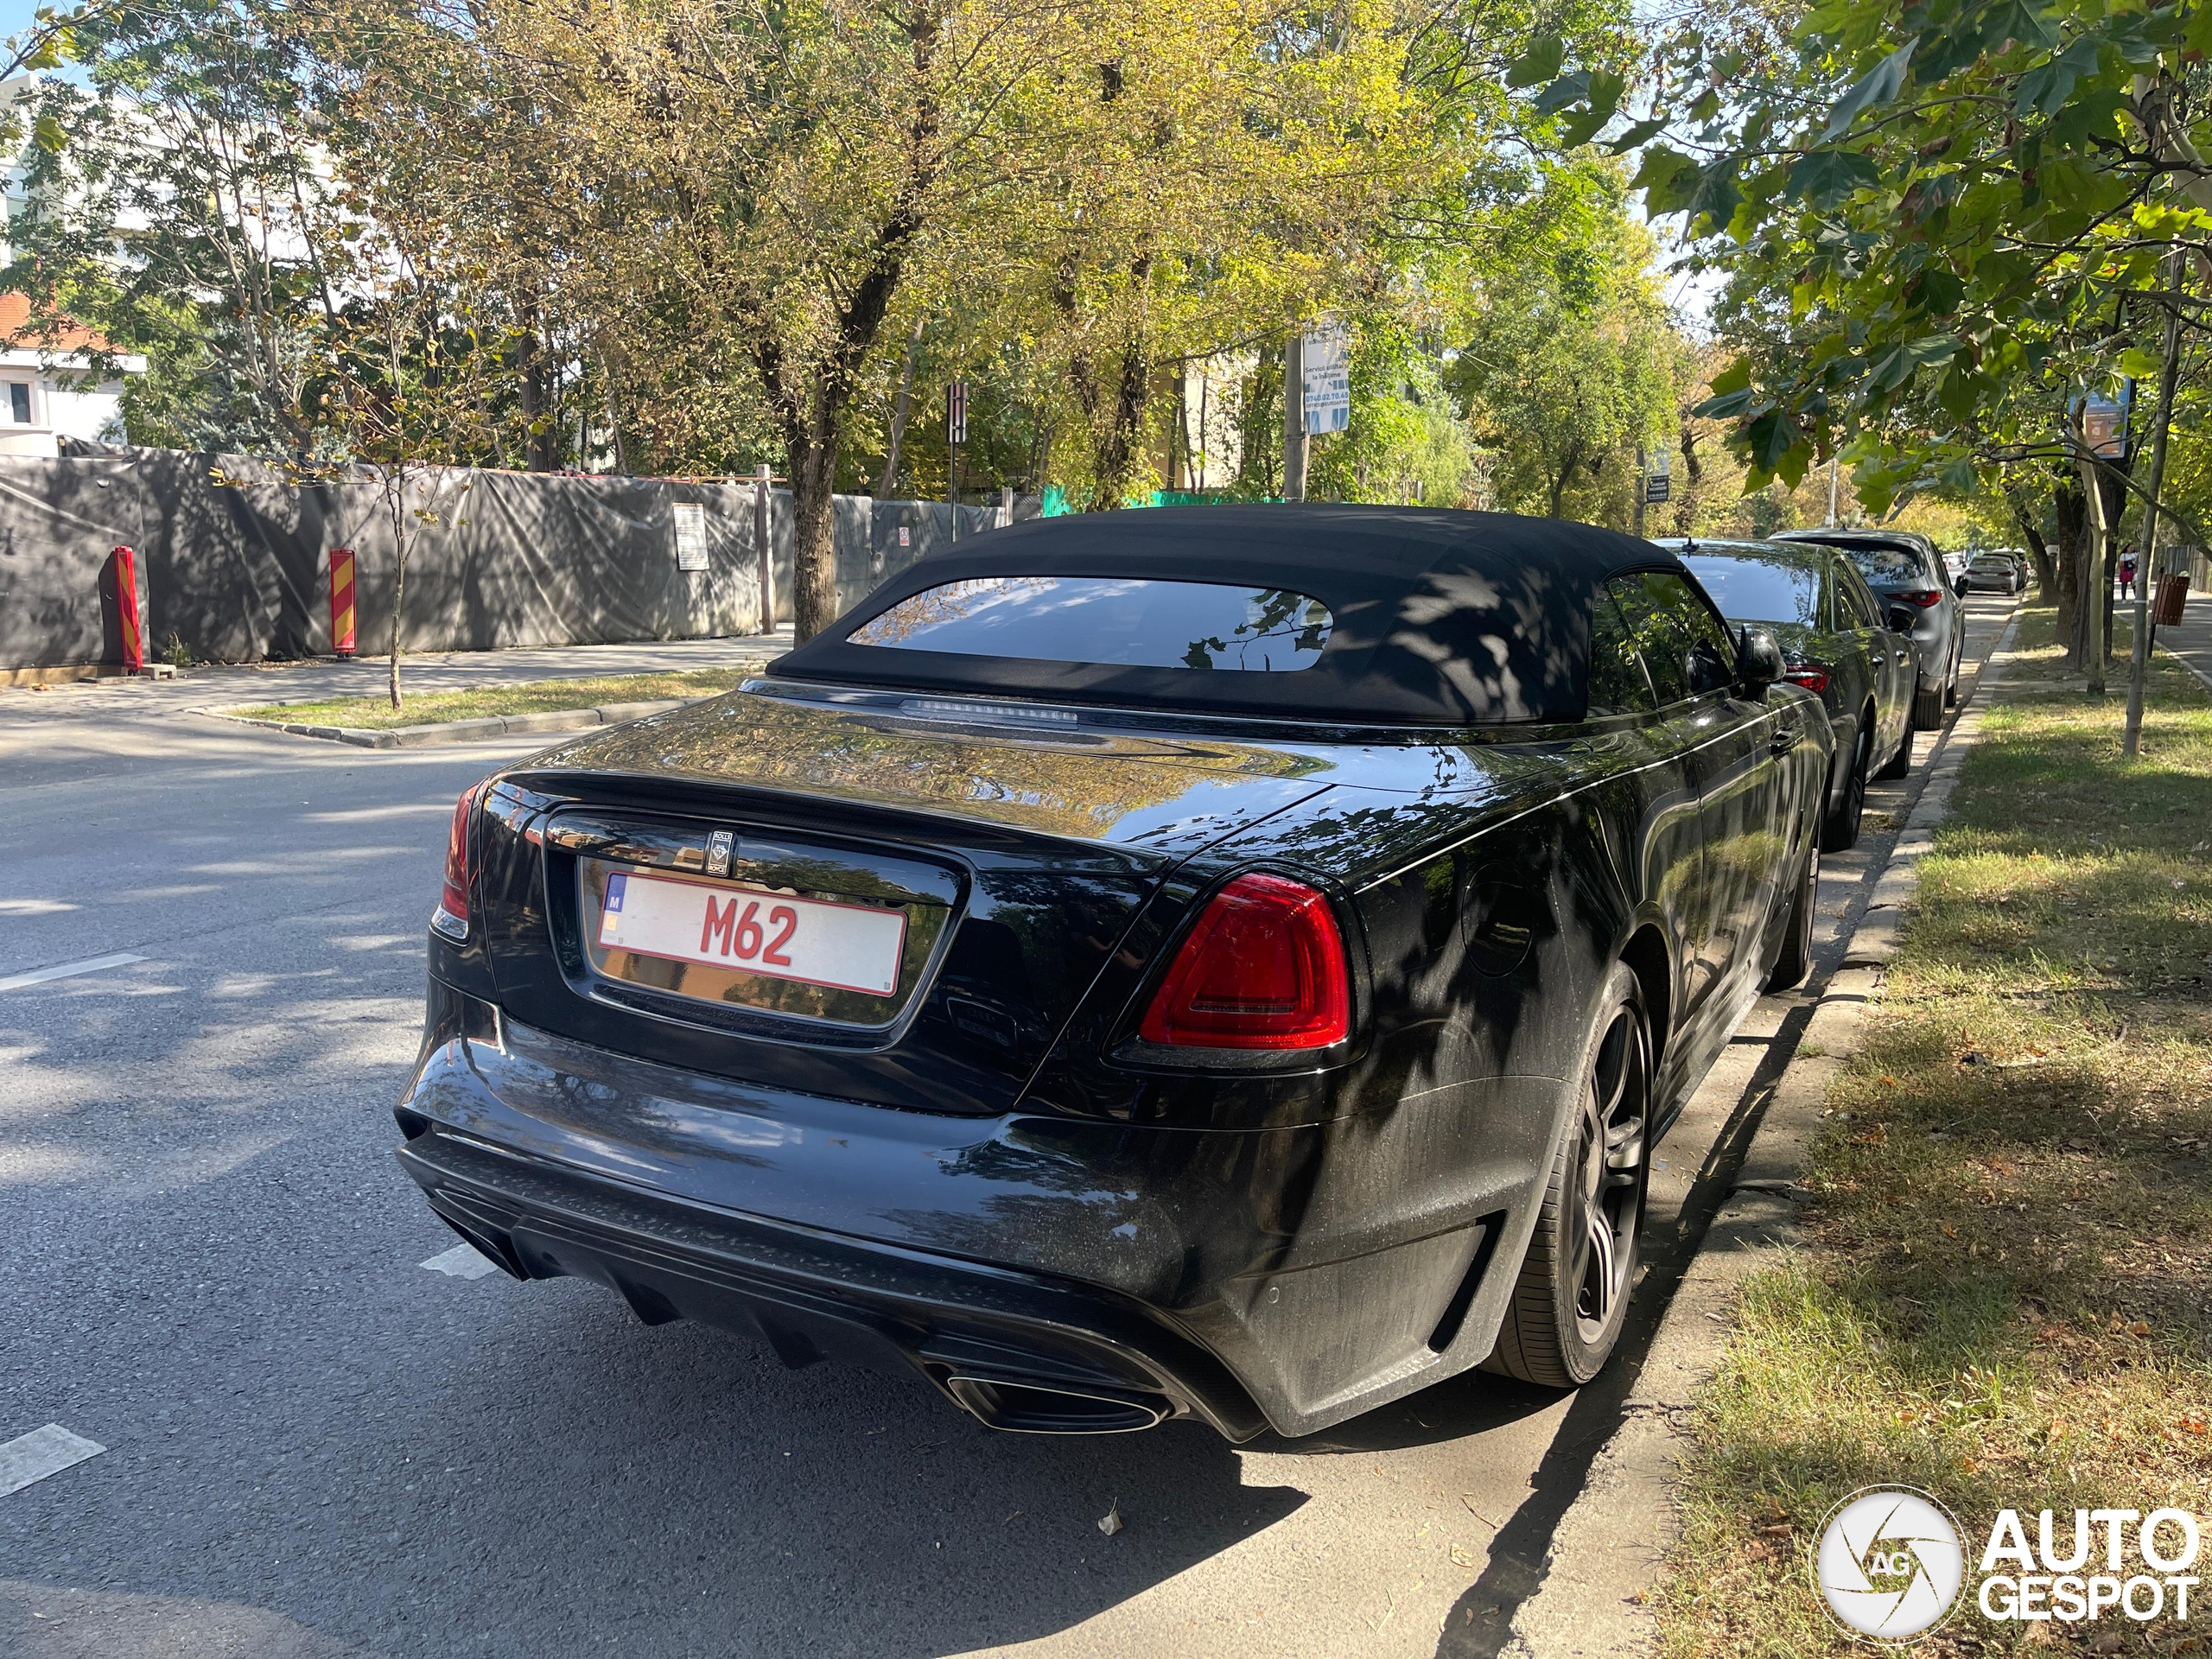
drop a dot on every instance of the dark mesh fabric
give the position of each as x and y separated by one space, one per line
1440 617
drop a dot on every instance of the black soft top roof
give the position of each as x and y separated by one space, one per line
1441 617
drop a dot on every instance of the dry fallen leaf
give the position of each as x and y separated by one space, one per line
1111 1523
1462 1556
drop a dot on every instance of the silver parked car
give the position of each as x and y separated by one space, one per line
1904 569
1996 573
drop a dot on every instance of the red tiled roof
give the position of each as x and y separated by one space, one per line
51 333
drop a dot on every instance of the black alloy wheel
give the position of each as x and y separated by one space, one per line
1796 958
1840 829
1572 1294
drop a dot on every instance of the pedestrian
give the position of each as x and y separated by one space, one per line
2128 577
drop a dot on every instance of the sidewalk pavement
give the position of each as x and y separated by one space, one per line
2191 639
220 686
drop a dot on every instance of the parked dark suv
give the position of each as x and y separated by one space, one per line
1905 569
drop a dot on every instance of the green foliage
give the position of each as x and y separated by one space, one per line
1406 441
1939 222
1566 370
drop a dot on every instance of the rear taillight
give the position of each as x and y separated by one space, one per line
455 904
1923 597
1812 679
1264 967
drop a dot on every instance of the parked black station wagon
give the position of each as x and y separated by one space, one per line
1836 644
1228 963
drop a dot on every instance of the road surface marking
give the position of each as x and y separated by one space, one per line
462 1262
43 1452
69 969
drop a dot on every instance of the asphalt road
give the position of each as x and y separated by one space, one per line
317 1447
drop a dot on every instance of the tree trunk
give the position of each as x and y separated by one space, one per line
2070 510
541 428
394 499
814 544
900 409
1565 476
2030 528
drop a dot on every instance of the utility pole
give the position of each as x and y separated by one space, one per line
760 481
1832 460
1294 416
2145 567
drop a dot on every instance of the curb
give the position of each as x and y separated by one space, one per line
1604 1555
468 731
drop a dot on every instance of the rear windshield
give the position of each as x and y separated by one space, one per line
1752 589
1127 621
1885 567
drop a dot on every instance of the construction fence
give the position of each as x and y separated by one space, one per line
234 562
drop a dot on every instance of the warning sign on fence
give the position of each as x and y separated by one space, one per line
690 536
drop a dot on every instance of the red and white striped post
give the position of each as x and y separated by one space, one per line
341 601
122 575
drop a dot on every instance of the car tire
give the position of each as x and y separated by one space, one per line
1928 709
1840 826
1572 1297
1796 958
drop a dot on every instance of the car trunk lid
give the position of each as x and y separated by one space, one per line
982 872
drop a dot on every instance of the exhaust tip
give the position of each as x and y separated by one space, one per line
1029 1408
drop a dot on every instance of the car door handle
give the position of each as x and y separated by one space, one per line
1783 740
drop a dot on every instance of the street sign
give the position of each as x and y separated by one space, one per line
2104 424
1326 352
956 412
1657 486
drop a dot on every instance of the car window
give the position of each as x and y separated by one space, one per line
1749 588
1855 606
1890 567
1617 685
1110 619
1684 647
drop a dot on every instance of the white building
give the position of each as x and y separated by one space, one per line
47 391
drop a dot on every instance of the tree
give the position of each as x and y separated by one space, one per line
742 192
1969 206
1565 372
177 203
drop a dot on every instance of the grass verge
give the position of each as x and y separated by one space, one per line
377 714
2006 1294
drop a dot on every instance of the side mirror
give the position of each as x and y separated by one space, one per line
1901 619
1759 660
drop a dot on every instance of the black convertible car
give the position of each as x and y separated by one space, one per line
1221 962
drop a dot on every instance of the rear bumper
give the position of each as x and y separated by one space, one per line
1018 1350
1044 1273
